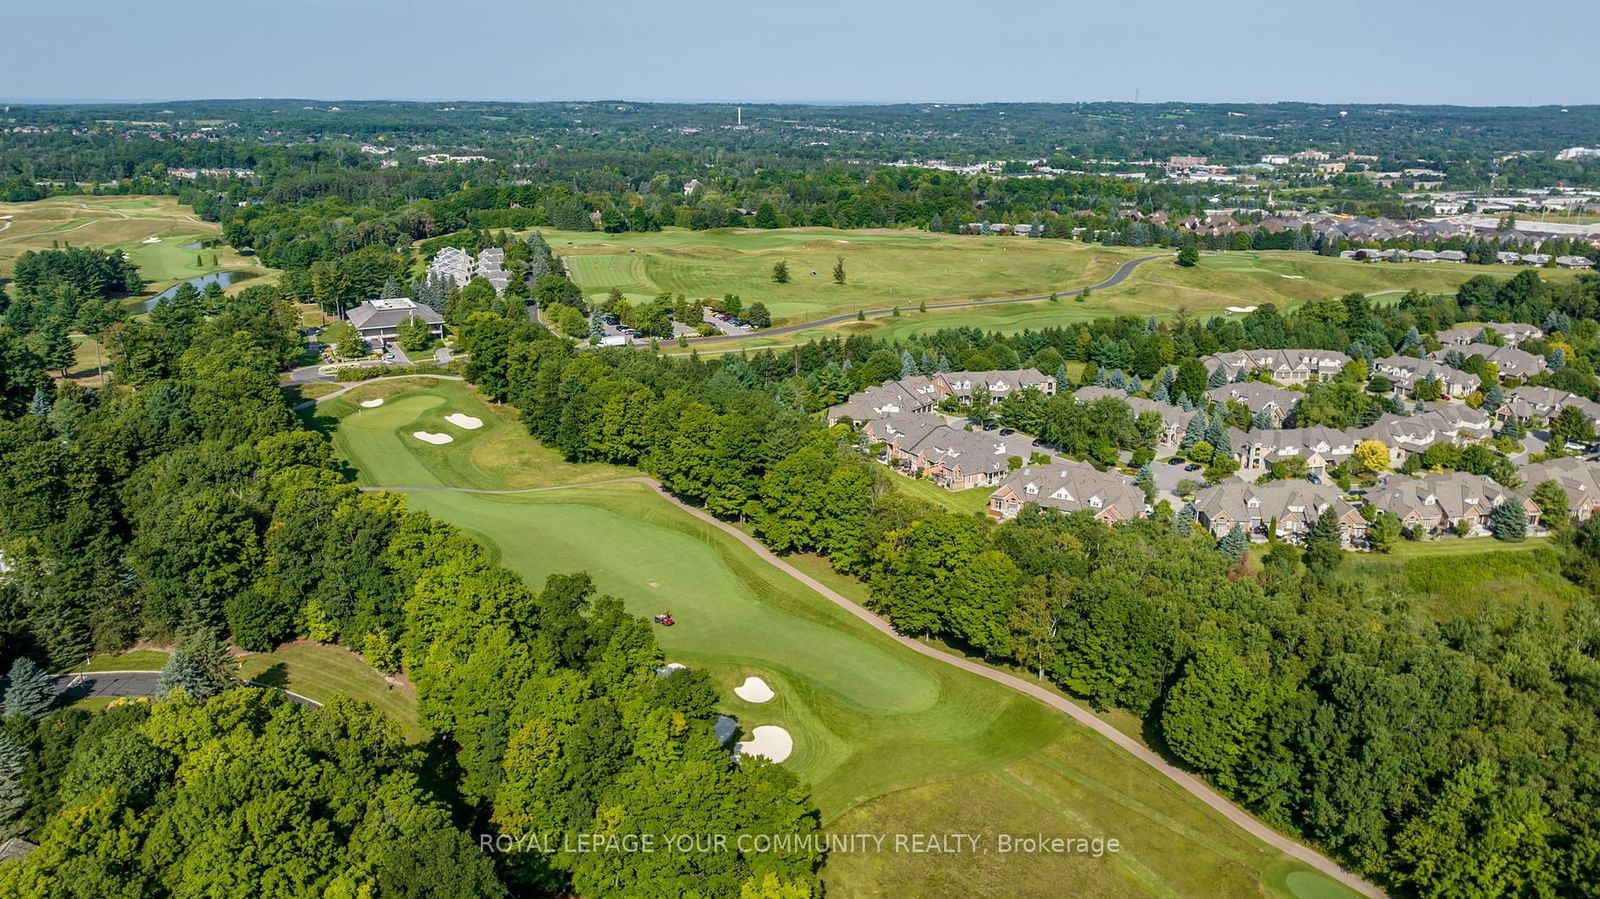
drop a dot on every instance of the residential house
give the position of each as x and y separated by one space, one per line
1434 504
923 445
1321 448
1574 262
907 395
452 263
380 320
1514 333
1407 372
1294 505
1537 405
1510 361
1001 384
1578 478
1258 397
1287 366
1068 487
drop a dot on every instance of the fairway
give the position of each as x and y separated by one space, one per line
883 267
889 740
126 224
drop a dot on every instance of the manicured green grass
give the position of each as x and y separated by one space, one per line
324 672
889 740
498 455
124 223
132 660
883 267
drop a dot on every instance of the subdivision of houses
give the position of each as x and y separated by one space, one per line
1434 504
1293 506
1068 487
1321 448
1538 405
1289 366
1510 361
1578 478
1275 402
1407 372
1173 418
459 267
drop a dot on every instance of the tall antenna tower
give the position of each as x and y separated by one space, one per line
739 116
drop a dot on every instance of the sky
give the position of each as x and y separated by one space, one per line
1466 52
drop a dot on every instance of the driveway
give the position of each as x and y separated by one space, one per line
135 683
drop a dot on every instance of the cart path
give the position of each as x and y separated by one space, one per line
354 384
1183 779
84 684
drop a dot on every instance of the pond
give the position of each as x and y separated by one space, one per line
223 278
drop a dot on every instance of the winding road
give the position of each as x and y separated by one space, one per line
1183 779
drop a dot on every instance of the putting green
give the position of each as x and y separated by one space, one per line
890 741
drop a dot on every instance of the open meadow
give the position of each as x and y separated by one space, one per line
889 740
126 223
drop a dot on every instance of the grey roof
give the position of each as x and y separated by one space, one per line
1071 487
1256 396
1443 497
388 314
1295 504
15 848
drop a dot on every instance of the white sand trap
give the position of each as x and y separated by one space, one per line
464 422
1294 277
372 404
769 741
670 667
435 439
754 689
151 240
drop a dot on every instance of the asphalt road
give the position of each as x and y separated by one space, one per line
133 683
1117 277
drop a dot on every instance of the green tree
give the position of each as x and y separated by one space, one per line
780 272
1508 521
1323 549
1383 532
757 316
13 792
1213 715
1189 256
838 271
1554 510
199 666
29 693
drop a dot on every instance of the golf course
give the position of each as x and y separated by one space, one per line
904 268
164 239
891 741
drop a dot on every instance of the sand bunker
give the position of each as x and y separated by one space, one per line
372 404
725 728
464 422
151 240
754 689
435 439
670 667
768 741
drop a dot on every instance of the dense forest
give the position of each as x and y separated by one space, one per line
187 501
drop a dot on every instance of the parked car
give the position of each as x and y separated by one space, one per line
1175 460
1192 466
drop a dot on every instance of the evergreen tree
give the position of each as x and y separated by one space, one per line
1145 480
1194 431
1063 381
199 666
838 270
1161 395
1493 398
1512 428
13 793
1509 521
1557 359
1323 550
1261 421
1234 543
1219 377
780 272
391 289
40 405
1135 385
1185 519
29 693
908 365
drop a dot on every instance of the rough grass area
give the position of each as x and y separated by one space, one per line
889 740
132 660
1459 578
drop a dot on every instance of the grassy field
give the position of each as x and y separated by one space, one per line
323 672
1461 578
883 267
132 660
961 501
124 223
888 268
890 741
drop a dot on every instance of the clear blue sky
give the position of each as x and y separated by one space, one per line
1469 52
